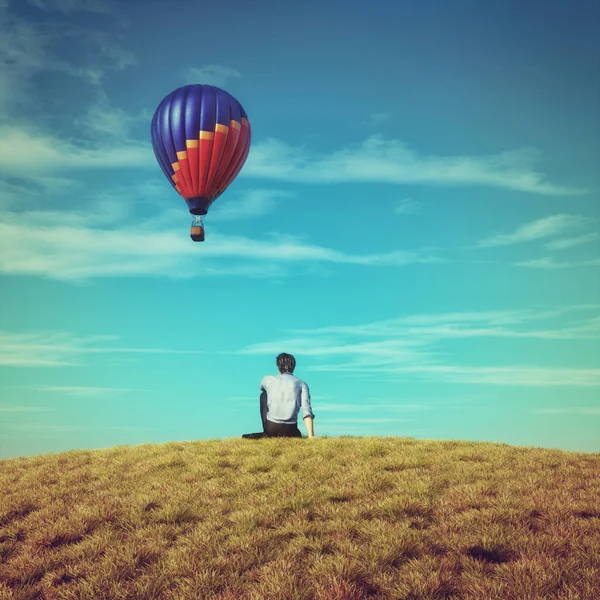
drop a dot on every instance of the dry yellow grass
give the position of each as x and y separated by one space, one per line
324 519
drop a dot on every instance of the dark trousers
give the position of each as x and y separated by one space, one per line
271 429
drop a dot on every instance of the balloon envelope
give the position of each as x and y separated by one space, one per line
201 139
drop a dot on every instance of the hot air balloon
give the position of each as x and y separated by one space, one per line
201 139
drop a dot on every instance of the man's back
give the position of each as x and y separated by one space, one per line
286 395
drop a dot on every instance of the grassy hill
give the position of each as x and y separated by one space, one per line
323 518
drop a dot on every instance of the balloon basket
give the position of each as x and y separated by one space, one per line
197 233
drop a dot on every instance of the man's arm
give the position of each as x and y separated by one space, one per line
308 413
308 421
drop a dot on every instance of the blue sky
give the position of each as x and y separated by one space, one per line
417 222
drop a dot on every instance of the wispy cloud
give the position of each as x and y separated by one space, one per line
38 349
50 429
391 161
569 242
28 48
29 151
406 348
253 203
103 208
62 349
514 375
35 151
210 75
13 194
406 206
70 6
22 54
78 249
379 352
27 154
379 117
426 328
33 428
366 420
547 262
397 406
568 410
103 119
16 408
87 391
535 230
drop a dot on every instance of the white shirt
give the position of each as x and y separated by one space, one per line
286 395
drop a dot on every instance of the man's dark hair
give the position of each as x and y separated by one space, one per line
286 363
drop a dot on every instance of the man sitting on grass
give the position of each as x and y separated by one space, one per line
281 399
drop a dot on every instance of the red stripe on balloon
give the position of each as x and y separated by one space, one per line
179 179
185 177
239 156
193 157
232 141
219 145
206 144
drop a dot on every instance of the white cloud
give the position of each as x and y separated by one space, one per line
367 405
102 208
254 203
514 375
405 348
24 153
379 117
41 349
28 48
108 121
373 420
70 6
76 248
392 161
87 391
32 428
569 242
568 410
27 152
109 54
12 194
22 54
406 206
547 262
217 75
61 349
49 429
365 353
426 328
9 408
17 194
535 230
